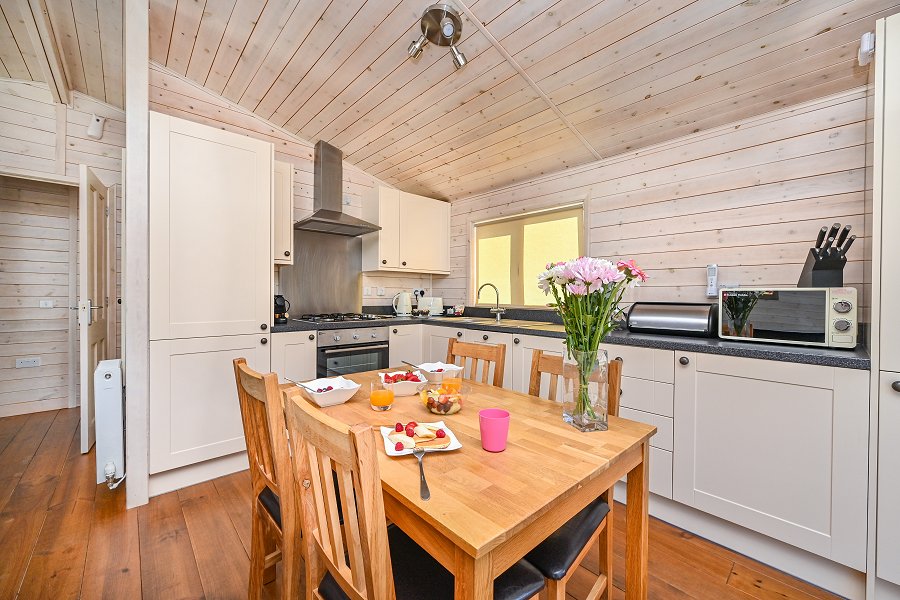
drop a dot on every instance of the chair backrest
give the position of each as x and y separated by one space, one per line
552 364
485 355
264 430
357 555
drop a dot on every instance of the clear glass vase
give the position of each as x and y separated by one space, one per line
585 390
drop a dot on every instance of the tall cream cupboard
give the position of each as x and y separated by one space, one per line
885 292
210 284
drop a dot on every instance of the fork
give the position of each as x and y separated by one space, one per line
424 493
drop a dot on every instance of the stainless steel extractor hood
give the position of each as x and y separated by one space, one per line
328 215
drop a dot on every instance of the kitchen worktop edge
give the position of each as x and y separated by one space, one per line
847 359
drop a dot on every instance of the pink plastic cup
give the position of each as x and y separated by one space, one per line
494 424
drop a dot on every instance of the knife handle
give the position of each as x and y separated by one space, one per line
841 238
847 245
821 237
828 243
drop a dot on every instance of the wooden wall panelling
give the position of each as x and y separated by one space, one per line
748 196
17 57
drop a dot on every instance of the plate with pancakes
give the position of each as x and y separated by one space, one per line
430 436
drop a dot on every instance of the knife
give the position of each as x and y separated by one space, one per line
824 249
843 250
843 236
834 230
821 237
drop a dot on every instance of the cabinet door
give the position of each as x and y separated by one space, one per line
887 124
283 214
194 410
888 552
406 344
436 339
390 235
522 353
491 337
424 234
294 355
210 231
779 448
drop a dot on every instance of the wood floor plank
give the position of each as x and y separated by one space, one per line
77 481
223 563
19 528
761 584
235 490
9 427
112 568
168 567
57 564
17 455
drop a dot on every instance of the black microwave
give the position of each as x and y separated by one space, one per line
806 316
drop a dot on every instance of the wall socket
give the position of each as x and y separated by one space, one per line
46 304
381 291
367 291
27 363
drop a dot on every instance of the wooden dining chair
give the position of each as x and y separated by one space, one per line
275 520
485 355
558 556
366 558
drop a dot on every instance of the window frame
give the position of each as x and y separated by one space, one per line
522 220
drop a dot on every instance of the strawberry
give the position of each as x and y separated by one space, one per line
412 424
410 430
399 427
439 371
398 447
414 378
329 388
440 433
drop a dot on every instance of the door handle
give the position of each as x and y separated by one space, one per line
90 308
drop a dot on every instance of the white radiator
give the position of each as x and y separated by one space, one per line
110 424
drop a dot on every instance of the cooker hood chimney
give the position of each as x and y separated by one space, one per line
328 215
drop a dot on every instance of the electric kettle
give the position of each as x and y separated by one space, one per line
402 304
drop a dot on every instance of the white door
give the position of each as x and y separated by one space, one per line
93 296
210 231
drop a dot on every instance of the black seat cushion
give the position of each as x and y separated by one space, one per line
554 556
418 575
270 502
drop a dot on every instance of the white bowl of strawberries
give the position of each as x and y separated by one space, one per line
402 383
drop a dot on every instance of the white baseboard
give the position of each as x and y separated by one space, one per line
167 481
832 576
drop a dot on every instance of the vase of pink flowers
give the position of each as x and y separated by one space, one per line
586 293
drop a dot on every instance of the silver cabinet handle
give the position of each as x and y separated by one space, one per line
896 386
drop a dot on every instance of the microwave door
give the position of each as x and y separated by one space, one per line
785 316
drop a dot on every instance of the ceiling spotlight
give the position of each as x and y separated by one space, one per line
459 59
415 48
442 26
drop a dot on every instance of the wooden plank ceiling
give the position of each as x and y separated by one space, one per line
89 35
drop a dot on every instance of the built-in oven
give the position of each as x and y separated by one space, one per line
344 351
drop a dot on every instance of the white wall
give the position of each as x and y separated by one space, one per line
749 196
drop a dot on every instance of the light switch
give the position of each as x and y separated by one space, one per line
367 291
46 304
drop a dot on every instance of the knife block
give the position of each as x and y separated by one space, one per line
822 272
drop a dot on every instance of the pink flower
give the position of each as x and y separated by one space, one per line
579 289
633 270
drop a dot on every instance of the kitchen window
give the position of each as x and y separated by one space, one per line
510 253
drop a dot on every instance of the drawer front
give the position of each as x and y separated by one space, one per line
644 363
648 396
661 472
664 425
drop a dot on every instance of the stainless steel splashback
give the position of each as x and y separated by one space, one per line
326 275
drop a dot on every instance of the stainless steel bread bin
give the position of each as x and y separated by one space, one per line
672 318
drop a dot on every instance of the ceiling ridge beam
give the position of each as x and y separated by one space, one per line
37 21
531 82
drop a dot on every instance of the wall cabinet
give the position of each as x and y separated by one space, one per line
194 410
414 235
294 355
210 231
779 448
406 344
283 214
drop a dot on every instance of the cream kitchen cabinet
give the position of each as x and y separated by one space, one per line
414 235
887 562
194 410
779 448
406 345
522 350
436 339
476 336
210 231
294 355
283 214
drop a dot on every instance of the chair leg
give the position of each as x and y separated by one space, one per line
257 554
271 546
605 546
555 590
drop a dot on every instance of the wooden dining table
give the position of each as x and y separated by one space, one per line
487 510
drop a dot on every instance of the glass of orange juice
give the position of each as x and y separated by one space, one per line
452 384
380 397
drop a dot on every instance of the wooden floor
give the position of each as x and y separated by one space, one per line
65 537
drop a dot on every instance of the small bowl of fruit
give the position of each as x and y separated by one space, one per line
445 398
402 383
436 372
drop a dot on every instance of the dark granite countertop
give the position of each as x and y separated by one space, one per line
848 359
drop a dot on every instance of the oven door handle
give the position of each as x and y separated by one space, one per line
378 347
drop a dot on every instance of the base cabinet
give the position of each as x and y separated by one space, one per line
436 339
294 355
887 564
779 448
523 348
475 336
406 345
194 410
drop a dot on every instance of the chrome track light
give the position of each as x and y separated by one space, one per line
442 26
